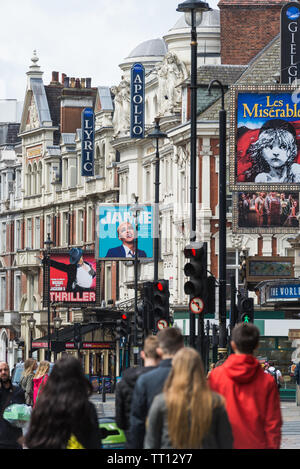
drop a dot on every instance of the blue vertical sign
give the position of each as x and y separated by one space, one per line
137 125
87 142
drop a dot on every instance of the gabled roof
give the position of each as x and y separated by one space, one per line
41 101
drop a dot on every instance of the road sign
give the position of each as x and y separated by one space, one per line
162 324
196 305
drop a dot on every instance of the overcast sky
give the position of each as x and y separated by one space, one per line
82 38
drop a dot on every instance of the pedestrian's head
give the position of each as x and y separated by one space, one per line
245 338
42 369
186 388
30 366
170 340
63 404
4 372
149 353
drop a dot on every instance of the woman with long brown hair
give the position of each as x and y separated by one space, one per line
187 414
26 382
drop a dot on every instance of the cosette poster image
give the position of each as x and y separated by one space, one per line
263 211
73 277
265 137
116 232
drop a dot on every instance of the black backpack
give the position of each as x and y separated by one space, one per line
274 374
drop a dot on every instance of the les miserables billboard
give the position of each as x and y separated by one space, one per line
264 138
73 278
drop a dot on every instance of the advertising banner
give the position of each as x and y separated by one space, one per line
274 212
264 138
73 278
116 232
290 42
137 84
87 142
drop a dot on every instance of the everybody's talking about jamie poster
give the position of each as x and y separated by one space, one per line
116 232
266 138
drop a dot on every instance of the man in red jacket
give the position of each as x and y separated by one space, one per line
252 397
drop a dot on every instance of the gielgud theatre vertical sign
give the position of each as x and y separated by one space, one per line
265 158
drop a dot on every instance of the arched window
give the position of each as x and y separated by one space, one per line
34 179
39 178
29 181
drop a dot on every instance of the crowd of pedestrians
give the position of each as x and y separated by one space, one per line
169 403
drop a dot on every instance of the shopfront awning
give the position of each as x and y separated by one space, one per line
64 339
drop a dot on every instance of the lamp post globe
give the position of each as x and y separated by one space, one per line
193 11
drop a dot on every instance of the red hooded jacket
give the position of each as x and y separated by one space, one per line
252 402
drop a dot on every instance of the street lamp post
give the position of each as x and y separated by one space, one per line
193 11
222 221
31 324
136 210
156 135
57 325
46 262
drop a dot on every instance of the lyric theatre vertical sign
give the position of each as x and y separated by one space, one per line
137 124
87 142
290 43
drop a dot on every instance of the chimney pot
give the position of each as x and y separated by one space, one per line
55 77
66 82
72 82
77 83
88 82
82 82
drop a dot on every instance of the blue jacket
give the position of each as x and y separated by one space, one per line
146 388
119 251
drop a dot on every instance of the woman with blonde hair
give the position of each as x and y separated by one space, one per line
187 414
26 382
40 379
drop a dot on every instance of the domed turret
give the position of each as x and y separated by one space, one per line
148 52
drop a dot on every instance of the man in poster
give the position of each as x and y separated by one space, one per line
127 249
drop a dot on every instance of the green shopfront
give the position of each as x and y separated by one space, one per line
275 344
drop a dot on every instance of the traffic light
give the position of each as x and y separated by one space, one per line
246 310
161 296
140 324
196 269
147 295
77 335
122 329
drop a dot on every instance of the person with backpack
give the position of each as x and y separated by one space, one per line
275 373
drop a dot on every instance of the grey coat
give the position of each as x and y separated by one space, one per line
157 436
26 384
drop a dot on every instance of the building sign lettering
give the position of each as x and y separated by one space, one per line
137 125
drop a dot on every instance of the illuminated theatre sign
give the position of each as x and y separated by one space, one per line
264 138
290 42
137 122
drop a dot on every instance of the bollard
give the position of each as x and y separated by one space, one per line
103 390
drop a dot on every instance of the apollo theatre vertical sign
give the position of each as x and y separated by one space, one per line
290 43
137 123
87 142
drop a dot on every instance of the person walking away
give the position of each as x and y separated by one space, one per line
187 414
252 397
26 381
9 394
40 379
297 378
275 373
125 387
64 417
170 340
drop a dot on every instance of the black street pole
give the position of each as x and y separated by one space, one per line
48 243
193 8
193 150
136 265
156 135
222 223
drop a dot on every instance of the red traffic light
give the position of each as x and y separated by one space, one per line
160 286
124 316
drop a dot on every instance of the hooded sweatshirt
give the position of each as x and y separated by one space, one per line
252 402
